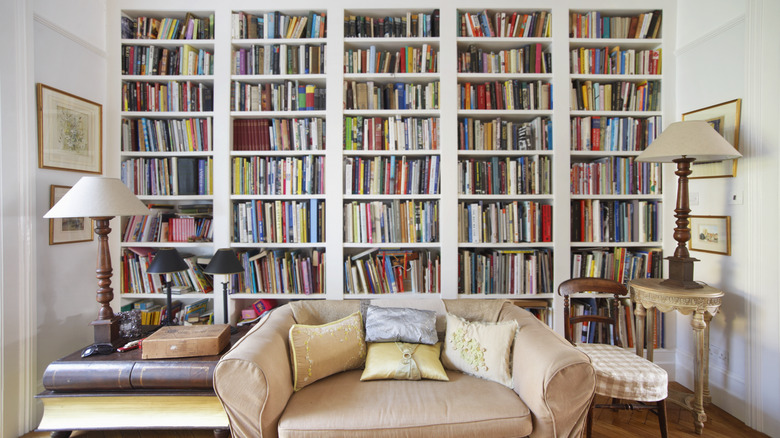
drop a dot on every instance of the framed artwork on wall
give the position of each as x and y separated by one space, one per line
70 132
67 230
710 234
724 117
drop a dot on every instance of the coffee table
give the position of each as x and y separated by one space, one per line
123 391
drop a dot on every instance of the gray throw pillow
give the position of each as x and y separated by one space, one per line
390 324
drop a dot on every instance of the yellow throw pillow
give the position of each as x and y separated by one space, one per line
481 349
402 361
321 350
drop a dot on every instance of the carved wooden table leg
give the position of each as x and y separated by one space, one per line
702 350
640 313
707 396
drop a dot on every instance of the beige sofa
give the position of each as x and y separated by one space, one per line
553 385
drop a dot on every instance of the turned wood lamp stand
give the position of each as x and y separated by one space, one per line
100 199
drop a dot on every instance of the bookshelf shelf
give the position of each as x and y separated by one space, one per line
449 152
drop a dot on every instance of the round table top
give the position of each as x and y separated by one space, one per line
649 292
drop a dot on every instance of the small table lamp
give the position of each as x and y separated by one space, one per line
101 199
683 143
224 262
167 261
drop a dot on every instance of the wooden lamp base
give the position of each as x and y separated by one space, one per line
106 330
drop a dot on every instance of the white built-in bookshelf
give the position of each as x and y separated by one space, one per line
408 151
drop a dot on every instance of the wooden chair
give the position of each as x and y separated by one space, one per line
620 374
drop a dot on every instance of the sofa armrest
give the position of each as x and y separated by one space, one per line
555 380
253 380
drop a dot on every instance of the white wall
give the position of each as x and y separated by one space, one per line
713 65
69 42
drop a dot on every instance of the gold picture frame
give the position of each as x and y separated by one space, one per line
70 132
724 117
710 234
67 230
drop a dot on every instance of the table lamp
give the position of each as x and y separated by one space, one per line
101 199
683 143
224 262
167 261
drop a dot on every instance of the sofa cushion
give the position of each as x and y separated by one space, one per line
465 406
402 361
318 351
390 324
480 349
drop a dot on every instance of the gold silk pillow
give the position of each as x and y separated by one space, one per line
319 351
402 361
481 349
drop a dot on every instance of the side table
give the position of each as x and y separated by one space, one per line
703 303
124 391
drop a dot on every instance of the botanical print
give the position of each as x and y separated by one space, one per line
72 128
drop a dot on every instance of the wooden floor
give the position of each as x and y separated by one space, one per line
608 424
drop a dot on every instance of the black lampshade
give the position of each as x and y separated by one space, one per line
167 260
224 262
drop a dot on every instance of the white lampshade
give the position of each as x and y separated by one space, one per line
97 196
693 139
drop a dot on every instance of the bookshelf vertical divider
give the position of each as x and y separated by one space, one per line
334 197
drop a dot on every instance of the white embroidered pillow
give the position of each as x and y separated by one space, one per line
480 349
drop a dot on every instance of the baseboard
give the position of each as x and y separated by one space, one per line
728 391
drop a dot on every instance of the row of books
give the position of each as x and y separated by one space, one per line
167 135
606 61
279 221
393 221
189 28
390 271
276 25
514 272
285 59
505 135
394 133
603 333
280 272
594 220
620 264
505 24
599 133
279 175
504 222
168 227
170 176
136 279
411 25
167 96
154 60
512 94
394 96
530 58
595 25
525 175
590 95
295 134
424 59
273 96
391 175
615 176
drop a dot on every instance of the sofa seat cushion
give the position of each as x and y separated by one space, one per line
465 406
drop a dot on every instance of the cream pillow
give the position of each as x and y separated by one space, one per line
402 361
480 349
321 350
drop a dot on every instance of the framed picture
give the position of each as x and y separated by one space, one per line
710 234
70 132
724 117
67 230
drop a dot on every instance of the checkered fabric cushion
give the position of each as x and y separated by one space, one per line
622 374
